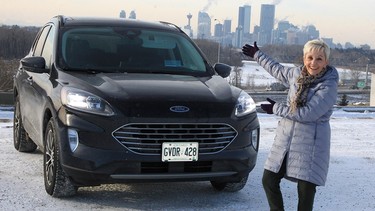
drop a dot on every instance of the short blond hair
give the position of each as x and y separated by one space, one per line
317 44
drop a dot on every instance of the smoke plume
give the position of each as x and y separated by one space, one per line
208 5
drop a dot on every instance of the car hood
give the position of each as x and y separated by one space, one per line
151 94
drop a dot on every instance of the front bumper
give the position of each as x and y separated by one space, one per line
117 167
100 158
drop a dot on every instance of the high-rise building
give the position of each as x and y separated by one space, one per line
312 32
279 35
218 32
227 39
122 14
267 18
227 27
133 15
244 18
243 28
283 26
238 37
204 26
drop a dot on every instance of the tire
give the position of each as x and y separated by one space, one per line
56 181
21 140
230 186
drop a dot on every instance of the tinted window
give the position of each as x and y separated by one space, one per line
48 47
41 40
129 50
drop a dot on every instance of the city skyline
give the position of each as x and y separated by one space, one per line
344 21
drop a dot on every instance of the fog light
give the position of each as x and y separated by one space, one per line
254 138
73 139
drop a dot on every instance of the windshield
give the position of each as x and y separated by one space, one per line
115 49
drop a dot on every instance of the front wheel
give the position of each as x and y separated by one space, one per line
56 182
21 140
230 186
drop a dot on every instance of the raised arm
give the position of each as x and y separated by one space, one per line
277 70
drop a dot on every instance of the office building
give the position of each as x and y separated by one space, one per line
218 32
244 18
122 14
227 27
267 18
204 26
132 15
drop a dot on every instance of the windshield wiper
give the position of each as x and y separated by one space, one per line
91 70
87 70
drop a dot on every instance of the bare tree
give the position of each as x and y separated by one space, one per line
235 78
228 55
355 75
344 77
15 41
233 57
250 81
7 71
209 48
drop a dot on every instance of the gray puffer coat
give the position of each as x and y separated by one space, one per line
304 136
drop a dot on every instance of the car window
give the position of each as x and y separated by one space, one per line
48 47
41 41
129 50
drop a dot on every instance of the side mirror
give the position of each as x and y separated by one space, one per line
222 69
36 64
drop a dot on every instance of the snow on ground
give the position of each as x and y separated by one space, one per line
349 187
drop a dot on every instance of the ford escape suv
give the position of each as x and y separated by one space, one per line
118 101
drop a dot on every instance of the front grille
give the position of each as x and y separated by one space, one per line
148 138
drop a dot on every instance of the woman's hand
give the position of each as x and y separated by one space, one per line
268 108
249 50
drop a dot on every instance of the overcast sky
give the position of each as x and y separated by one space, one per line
343 20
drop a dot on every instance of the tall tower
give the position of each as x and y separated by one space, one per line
267 18
243 28
189 16
244 18
188 30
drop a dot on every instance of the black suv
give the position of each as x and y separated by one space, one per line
115 100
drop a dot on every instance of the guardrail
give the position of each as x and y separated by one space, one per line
344 91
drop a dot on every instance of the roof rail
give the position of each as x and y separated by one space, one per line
60 19
171 24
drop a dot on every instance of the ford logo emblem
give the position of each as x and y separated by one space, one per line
179 109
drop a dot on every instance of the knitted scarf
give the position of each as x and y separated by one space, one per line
304 82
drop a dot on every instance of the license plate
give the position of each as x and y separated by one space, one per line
179 151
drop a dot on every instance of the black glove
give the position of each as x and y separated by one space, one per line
268 108
249 50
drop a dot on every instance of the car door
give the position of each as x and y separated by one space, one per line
33 94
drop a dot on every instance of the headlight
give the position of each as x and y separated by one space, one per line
85 101
245 105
